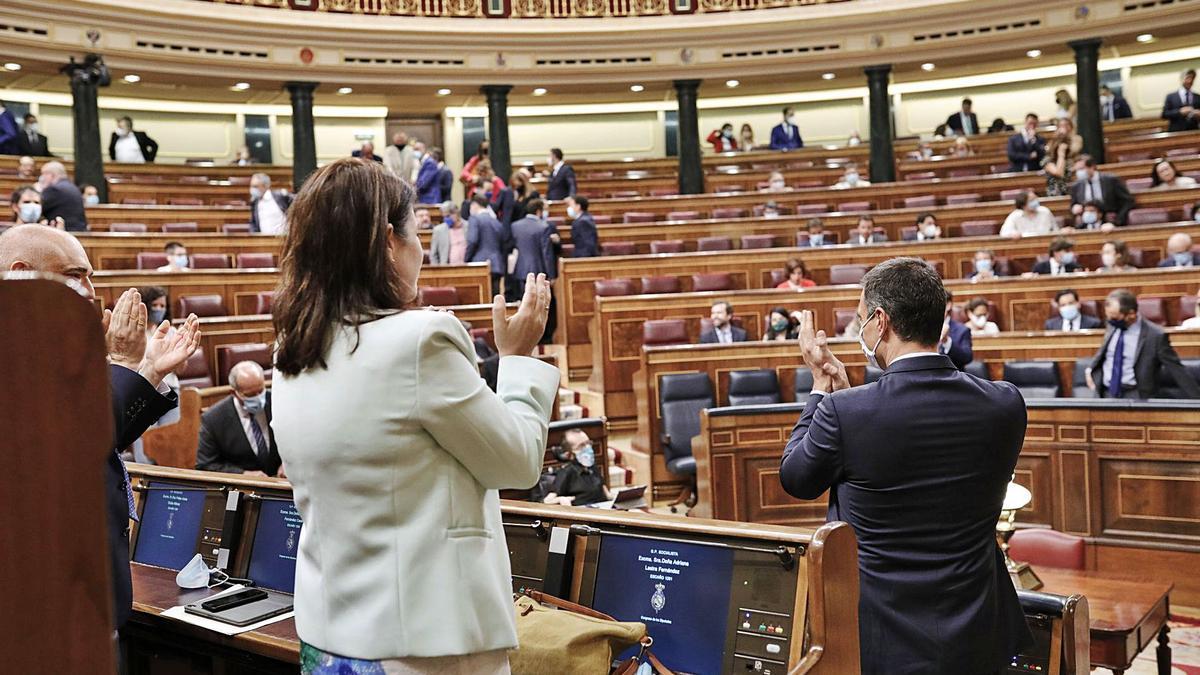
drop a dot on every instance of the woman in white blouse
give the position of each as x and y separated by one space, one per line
395 447
1164 176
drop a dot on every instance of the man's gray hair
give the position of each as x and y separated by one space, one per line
55 168
911 293
262 178
243 367
447 207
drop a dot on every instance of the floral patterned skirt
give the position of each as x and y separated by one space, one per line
314 661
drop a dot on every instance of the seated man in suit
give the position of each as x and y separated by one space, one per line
786 135
864 232
723 331
268 208
816 233
1113 107
177 258
955 341
985 266
235 434
61 199
31 141
1091 185
1179 252
583 228
963 122
1093 218
1134 351
1070 317
1062 259
935 597
1182 108
367 152
137 367
1026 149
560 181
576 482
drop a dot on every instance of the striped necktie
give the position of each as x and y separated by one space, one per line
259 440
128 488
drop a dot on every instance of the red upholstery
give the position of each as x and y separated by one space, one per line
600 174
1048 547
200 305
802 239
194 371
846 274
980 228
908 233
639 217
920 175
965 173
127 227
712 281
1009 195
151 261
210 261
487 334
1133 156
618 248
1153 310
667 246
612 287
1183 152
604 219
1148 216
664 332
1137 184
809 209
921 202
439 296
654 285
843 318
263 301
185 201
229 202
730 188
729 212
758 241
193 179
137 201
714 244
853 207
969 198
230 355
663 192
235 228
683 215
181 227
239 180
255 260
778 277
624 194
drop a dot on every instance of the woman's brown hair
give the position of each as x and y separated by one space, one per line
794 264
336 266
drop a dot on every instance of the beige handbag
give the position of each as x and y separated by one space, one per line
556 637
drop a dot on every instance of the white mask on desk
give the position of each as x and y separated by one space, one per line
195 574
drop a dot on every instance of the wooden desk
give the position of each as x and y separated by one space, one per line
1126 614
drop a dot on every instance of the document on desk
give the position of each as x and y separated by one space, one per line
179 613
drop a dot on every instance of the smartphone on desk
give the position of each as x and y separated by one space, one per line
242 608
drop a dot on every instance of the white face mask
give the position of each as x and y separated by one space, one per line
1033 205
122 132
33 127
571 212
852 178
855 141
816 239
195 574
770 214
979 320
1081 174
791 119
31 213
869 353
1108 259
91 200
931 231
256 193
778 185
181 260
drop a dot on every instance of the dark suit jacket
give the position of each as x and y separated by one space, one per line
1169 261
1085 321
135 406
1043 267
583 235
1120 108
488 241
955 122
1170 111
1116 197
710 337
961 351
535 250
64 199
562 184
429 190
148 145
786 137
1154 350
36 148
377 158
1018 153
445 181
282 197
9 131
224 446
935 597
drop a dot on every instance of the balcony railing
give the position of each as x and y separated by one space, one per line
524 9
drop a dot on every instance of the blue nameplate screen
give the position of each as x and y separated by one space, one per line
276 541
170 526
680 591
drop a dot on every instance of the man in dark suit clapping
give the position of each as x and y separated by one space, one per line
1026 149
235 434
1180 108
917 463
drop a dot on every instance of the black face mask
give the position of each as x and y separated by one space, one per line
1119 324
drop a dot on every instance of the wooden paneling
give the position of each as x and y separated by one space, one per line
207 218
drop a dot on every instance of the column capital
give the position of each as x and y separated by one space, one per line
1089 43
680 85
877 70
495 89
300 87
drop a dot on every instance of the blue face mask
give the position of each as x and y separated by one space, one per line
1183 259
255 404
156 316
586 456
31 213
816 240
983 265
91 200
1067 258
1090 217
1069 312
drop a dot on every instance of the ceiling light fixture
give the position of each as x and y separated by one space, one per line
731 83
1033 53
539 92
342 91
241 86
636 88
828 76
443 92
132 79
927 67
12 66
1145 37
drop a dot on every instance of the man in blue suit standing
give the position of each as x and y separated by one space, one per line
583 228
488 240
956 338
429 190
9 133
786 135
533 240
917 463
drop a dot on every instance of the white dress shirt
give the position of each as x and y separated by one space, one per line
270 217
1092 192
263 425
1021 222
1072 325
724 334
1185 97
967 127
128 151
1128 356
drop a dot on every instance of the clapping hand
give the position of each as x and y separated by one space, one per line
829 374
125 330
167 351
520 334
